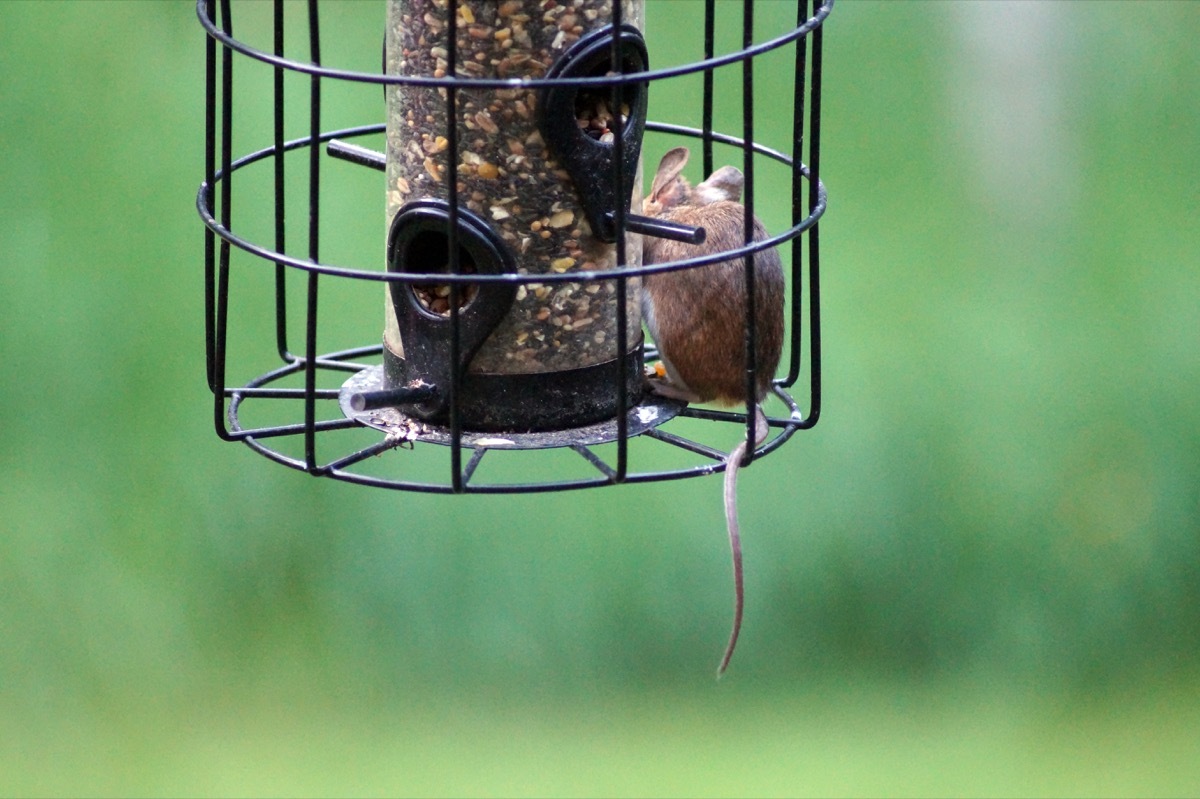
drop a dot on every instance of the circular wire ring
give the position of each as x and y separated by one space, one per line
203 8
205 195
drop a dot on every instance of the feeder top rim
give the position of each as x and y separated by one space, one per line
203 8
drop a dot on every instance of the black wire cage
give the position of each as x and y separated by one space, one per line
506 173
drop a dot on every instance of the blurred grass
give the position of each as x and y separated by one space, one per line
977 575
817 740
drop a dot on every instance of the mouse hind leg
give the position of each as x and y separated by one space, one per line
665 387
667 383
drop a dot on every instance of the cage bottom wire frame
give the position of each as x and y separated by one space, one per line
330 378
644 420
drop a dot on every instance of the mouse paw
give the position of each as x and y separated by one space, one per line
651 371
662 385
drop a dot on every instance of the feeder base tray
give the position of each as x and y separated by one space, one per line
651 412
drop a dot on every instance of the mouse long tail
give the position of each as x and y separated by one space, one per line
761 430
735 547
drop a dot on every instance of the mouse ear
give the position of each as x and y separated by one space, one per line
668 169
724 184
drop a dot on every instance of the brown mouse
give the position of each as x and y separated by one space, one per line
697 316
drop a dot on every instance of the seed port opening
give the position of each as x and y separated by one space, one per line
430 247
593 113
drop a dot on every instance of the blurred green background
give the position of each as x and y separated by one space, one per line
979 574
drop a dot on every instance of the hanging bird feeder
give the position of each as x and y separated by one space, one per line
510 262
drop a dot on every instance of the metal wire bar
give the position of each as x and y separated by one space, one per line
751 329
314 234
706 101
456 365
356 457
339 365
596 461
473 464
282 393
210 237
798 213
814 249
735 417
222 304
280 198
685 443
300 428
493 488
620 210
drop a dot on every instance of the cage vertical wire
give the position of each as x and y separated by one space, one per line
332 415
